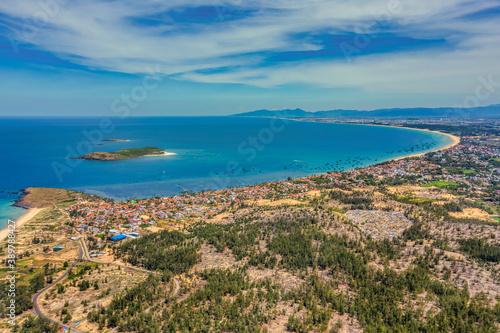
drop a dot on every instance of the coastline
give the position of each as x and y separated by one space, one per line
456 139
165 153
32 212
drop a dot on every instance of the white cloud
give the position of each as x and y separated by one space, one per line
103 35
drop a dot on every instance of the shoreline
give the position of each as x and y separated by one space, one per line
456 139
31 213
165 153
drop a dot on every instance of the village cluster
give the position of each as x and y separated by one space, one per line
98 217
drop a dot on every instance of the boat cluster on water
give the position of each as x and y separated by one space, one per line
97 215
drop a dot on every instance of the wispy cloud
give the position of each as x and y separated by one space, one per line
397 45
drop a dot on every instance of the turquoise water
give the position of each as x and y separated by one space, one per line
211 152
9 212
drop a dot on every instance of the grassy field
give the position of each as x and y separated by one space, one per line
41 197
440 184
496 218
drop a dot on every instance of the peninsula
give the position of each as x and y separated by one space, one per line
340 240
124 154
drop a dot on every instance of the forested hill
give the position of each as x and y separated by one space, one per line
491 111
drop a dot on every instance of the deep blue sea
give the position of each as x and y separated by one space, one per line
211 152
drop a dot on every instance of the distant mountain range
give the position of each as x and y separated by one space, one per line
491 111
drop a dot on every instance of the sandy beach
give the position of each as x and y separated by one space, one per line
456 141
165 153
34 211
22 220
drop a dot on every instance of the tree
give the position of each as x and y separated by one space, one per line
38 325
37 282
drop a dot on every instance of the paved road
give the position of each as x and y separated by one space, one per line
82 247
38 311
87 256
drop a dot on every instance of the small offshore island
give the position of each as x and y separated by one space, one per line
124 154
373 248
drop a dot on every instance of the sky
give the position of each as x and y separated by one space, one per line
211 57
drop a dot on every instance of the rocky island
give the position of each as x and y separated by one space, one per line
124 154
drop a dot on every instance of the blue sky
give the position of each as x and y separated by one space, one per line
211 57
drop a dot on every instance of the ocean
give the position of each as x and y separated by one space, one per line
211 153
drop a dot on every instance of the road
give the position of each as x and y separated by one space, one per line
87 256
177 287
38 311
82 247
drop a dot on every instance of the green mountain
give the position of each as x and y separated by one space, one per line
491 111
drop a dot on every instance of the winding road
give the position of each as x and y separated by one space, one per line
83 251
87 256
38 311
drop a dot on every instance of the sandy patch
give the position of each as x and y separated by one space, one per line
420 192
221 217
279 323
314 194
454 255
471 213
165 153
213 259
154 229
287 280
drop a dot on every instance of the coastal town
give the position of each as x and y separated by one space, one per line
250 166
380 205
470 169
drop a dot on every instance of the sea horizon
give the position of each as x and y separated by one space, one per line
250 166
